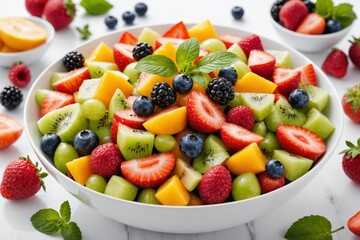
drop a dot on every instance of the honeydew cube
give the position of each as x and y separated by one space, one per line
202 31
235 48
101 53
87 89
172 192
121 188
319 124
283 58
149 36
80 169
241 68
252 82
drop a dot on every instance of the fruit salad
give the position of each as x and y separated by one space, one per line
184 117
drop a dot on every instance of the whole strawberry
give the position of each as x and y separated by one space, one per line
351 161
35 7
336 63
351 103
105 160
354 51
22 179
20 75
215 185
354 224
60 13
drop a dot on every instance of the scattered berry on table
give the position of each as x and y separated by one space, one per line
332 26
141 50
10 131
310 5
229 73
49 142
141 9
274 168
191 145
105 160
35 7
128 17
237 12
111 21
351 103
11 97
275 9
242 116
336 63
353 224
60 13
163 95
73 60
182 83
299 98
354 51
351 161
20 75
143 106
220 90
85 141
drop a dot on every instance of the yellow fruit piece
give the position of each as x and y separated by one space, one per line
21 34
169 121
110 81
79 169
172 192
203 31
252 82
195 200
7 49
181 99
147 81
248 159
102 53
168 50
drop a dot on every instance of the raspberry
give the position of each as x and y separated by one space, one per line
163 95
141 50
105 160
11 97
215 185
220 90
19 75
73 60
242 116
268 184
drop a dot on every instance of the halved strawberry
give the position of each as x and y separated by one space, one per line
250 42
354 224
308 74
313 23
128 38
129 118
54 100
236 137
262 63
72 80
174 41
229 40
179 30
300 141
114 130
10 131
123 55
286 79
150 171
203 114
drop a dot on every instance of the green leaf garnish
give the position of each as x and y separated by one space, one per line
313 227
215 61
187 53
96 7
65 211
344 14
71 231
84 32
324 7
157 64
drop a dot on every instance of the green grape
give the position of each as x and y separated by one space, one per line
259 128
64 153
93 109
164 143
147 195
213 45
96 183
269 144
241 68
245 186
132 73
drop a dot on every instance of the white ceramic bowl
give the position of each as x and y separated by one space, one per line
193 219
30 56
309 43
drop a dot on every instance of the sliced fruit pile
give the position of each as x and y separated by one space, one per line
236 122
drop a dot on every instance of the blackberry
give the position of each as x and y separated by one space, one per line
141 50
73 60
163 95
275 9
220 90
310 5
11 97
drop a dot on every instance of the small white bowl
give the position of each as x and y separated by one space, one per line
29 56
309 43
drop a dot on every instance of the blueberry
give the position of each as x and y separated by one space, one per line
332 26
49 142
299 98
111 21
274 168
85 141
191 145
141 8
143 106
237 12
229 73
128 17
182 83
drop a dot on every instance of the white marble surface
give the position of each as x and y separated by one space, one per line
331 194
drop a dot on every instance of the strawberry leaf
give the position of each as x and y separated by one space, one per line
215 61
157 64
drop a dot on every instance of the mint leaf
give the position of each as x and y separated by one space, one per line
344 14
215 61
46 221
65 211
96 7
187 53
324 7
71 231
84 32
157 64
312 227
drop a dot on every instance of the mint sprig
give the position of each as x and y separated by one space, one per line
187 53
313 227
343 13
96 7
84 32
49 221
157 64
215 61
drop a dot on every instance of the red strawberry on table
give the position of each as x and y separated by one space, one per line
261 63
250 42
351 103
354 224
292 13
286 79
336 63
60 13
35 7
54 100
351 161
354 51
20 75
10 131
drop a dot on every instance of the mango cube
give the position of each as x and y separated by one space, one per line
80 169
203 31
172 192
167 50
102 53
252 82
147 81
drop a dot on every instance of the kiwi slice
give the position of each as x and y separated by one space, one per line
87 89
117 102
260 103
319 124
65 122
288 114
319 98
135 143
101 127
214 153
132 73
97 69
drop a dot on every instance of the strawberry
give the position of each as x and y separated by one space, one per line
123 55
60 13
250 42
292 13
22 179
242 116
313 23
229 40
72 80
351 103
354 51
54 100
286 79
20 75
354 224
10 131
174 41
268 183
105 160
308 74
335 63
351 161
300 141
128 38
215 185
129 118
203 52
261 63
179 30
236 137
203 114
114 130
149 171
35 7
